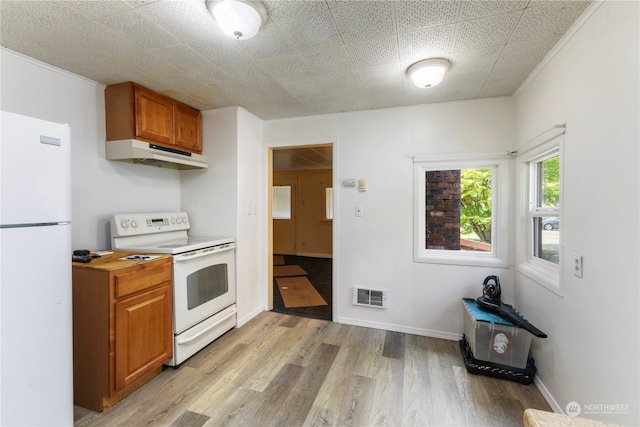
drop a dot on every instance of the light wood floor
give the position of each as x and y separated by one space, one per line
281 370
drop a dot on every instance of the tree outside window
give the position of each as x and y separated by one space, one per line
458 209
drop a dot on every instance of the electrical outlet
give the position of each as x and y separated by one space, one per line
577 265
358 210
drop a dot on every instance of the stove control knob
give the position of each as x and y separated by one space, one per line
184 220
134 223
124 223
173 220
178 220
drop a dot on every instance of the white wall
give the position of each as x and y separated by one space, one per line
591 355
376 250
252 280
225 200
100 188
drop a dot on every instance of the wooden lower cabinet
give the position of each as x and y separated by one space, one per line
122 324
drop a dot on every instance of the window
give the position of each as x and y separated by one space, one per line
540 231
328 203
545 208
281 202
461 211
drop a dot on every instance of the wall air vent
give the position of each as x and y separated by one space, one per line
370 297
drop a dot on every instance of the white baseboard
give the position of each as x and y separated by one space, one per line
547 396
251 315
397 328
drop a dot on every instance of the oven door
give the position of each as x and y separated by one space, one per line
203 285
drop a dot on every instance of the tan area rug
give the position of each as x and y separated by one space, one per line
288 270
278 260
299 292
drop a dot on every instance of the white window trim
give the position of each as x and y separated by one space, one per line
544 273
499 255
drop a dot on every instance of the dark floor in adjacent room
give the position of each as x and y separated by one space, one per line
319 274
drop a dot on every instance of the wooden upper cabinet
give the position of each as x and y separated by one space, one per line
135 112
187 124
154 116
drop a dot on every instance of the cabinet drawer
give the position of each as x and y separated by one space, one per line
141 279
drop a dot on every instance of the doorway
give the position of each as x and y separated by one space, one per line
301 230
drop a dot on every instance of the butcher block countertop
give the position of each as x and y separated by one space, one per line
113 262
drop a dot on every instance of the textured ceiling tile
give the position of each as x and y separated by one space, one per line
311 31
387 102
425 44
287 9
142 62
414 15
330 60
505 80
375 51
185 20
548 19
134 27
92 9
24 20
267 43
286 68
212 76
311 57
485 31
528 52
222 51
483 58
303 87
107 74
252 78
99 38
180 57
467 81
472 9
386 90
383 74
138 3
183 85
49 50
339 81
337 3
364 20
208 102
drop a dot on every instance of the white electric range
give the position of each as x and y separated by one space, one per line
204 285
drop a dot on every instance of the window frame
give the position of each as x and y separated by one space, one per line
544 273
499 255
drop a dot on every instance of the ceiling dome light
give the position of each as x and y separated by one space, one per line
428 73
241 19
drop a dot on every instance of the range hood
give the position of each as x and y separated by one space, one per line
145 153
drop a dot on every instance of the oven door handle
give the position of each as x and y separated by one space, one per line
182 258
204 331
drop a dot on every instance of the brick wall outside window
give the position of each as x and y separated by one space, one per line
442 209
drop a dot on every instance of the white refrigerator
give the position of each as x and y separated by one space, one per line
36 342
